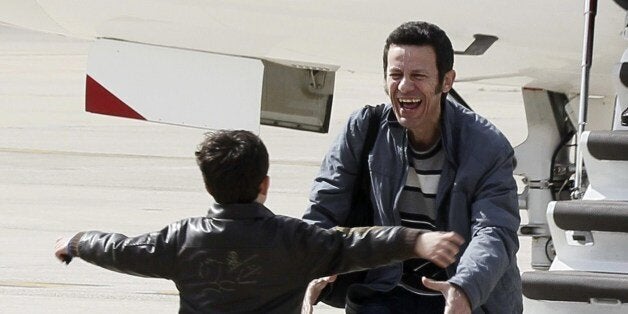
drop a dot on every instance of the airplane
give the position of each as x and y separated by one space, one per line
187 62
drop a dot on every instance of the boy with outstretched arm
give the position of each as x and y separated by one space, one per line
241 257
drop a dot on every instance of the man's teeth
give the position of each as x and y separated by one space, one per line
409 103
410 100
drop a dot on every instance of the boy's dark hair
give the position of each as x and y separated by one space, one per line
423 34
233 164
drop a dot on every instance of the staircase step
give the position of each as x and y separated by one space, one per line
608 145
572 286
611 216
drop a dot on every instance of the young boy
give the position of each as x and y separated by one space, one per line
241 257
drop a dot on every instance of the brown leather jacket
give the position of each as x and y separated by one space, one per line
242 258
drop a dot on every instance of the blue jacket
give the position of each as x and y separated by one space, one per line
477 198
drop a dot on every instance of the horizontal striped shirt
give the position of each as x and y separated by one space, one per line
417 209
417 205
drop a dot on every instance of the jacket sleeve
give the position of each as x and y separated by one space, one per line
148 255
340 250
332 189
494 224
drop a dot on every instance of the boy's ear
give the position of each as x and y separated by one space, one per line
264 186
263 190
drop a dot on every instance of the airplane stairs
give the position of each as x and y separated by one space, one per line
589 273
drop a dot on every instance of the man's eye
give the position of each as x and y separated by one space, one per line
395 75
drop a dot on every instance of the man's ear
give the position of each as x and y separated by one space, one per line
386 88
448 80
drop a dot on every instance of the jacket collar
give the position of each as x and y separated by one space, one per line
239 211
447 121
391 118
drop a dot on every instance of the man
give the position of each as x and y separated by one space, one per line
434 165
242 258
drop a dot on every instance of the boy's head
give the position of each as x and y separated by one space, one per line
234 164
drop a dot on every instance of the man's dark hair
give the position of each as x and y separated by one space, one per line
423 34
233 164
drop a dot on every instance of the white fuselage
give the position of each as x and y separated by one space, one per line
539 43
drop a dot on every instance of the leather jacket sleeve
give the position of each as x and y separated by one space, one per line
148 255
340 250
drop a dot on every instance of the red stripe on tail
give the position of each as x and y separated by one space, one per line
99 100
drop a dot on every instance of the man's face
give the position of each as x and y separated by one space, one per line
413 86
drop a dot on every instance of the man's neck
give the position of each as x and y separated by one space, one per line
425 138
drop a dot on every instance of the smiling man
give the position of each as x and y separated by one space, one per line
415 87
434 165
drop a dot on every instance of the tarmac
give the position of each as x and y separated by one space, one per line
63 170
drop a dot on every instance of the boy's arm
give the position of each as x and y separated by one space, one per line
438 247
150 255
382 245
350 249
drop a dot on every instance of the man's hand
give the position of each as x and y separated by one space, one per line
61 250
313 291
439 248
456 301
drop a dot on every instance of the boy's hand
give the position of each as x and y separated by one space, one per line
439 248
61 250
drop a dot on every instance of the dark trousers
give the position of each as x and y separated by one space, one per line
395 301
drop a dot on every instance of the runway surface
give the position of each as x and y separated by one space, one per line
63 170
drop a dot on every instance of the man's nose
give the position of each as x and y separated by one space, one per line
405 85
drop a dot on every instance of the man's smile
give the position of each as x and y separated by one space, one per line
409 103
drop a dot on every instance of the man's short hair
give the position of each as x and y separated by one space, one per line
233 164
423 34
